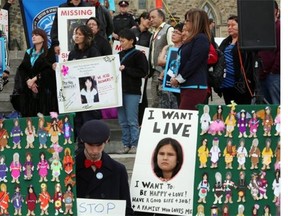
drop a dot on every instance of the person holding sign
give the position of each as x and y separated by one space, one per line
134 67
167 158
84 48
192 74
98 176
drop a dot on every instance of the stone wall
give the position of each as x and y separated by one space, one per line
221 10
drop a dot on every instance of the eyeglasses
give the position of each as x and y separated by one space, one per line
176 32
186 21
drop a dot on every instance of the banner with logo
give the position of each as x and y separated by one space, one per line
38 13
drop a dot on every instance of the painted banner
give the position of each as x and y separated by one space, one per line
89 84
171 69
68 19
38 14
37 167
92 207
162 185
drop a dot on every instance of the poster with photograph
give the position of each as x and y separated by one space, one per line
162 181
171 69
69 18
89 84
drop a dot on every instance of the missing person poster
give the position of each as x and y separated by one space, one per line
171 69
89 84
69 18
163 175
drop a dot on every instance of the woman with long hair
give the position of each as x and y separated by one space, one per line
192 74
38 78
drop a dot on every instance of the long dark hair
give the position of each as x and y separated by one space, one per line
179 153
88 36
43 34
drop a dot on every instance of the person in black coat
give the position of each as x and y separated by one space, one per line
98 176
84 49
36 81
100 42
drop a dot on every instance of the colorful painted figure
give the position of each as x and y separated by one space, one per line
262 185
68 161
203 188
276 186
267 211
205 120
255 210
253 125
253 186
267 120
217 126
215 153
200 210
228 186
241 209
16 134
218 188
17 201
277 122
4 200
43 167
30 134
267 155
242 154
28 167
229 153
3 169
3 136
254 154
203 153
31 200
57 199
42 133
54 128
277 154
241 187
68 199
44 199
56 167
242 122
230 123
15 168
225 210
55 148
214 210
67 130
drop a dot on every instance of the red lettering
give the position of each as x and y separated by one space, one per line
118 47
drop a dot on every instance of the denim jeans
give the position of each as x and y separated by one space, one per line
270 88
128 119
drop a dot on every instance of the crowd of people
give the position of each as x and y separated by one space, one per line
35 80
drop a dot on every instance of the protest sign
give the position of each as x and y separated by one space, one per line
89 84
150 190
103 207
69 18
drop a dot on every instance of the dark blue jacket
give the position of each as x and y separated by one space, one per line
193 63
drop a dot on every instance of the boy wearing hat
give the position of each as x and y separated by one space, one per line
123 19
98 176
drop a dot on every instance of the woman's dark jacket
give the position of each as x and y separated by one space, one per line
136 67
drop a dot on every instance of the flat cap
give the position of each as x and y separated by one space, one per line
123 3
94 132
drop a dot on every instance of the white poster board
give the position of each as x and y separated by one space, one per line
105 80
99 207
149 191
68 19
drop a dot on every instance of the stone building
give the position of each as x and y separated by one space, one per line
219 10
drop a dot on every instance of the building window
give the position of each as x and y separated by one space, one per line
209 11
142 4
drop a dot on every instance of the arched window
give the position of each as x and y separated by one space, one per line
142 4
209 10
